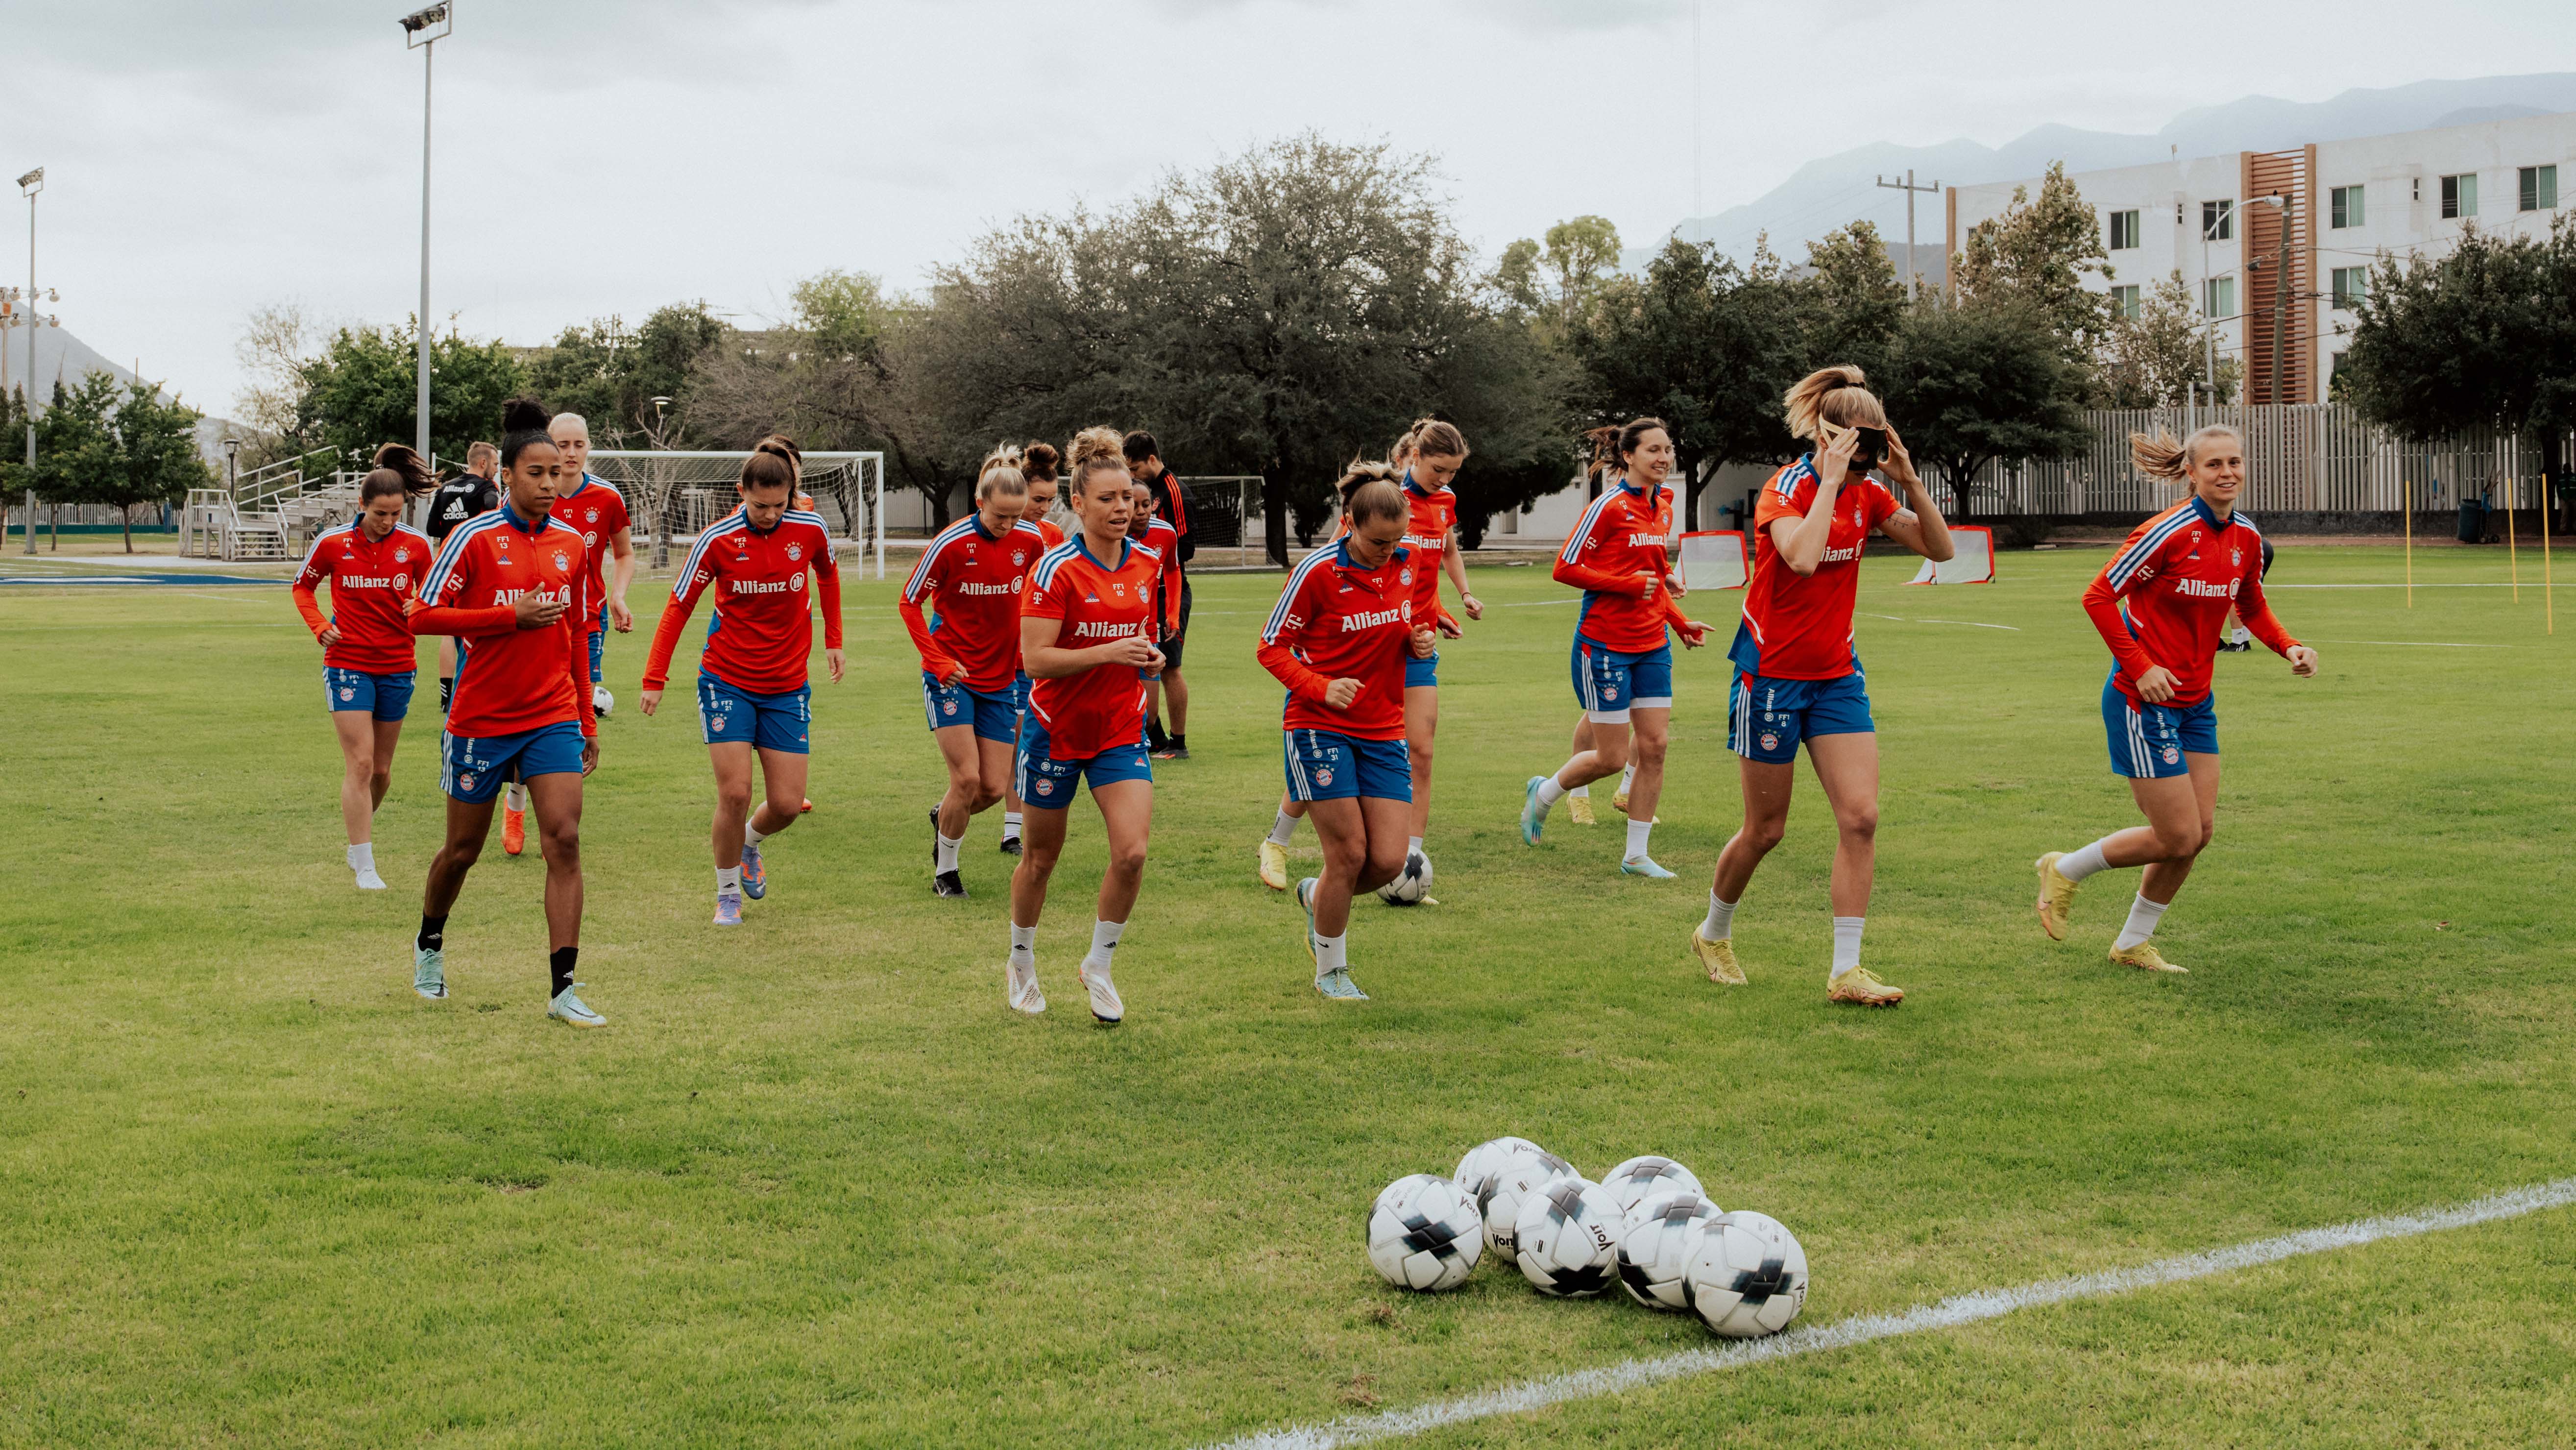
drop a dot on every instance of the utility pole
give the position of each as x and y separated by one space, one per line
1909 188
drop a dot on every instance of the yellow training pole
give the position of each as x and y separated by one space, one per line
2548 598
2511 551
2408 488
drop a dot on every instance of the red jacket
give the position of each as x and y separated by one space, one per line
2178 574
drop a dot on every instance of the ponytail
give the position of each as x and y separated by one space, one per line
2159 456
397 470
1837 395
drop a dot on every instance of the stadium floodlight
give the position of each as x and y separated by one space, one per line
422 30
31 183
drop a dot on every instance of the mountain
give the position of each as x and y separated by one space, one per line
1827 193
62 356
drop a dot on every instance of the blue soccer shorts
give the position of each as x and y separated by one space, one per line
1047 784
598 645
1608 682
995 714
765 722
385 696
1419 672
472 770
2149 742
1766 718
1326 765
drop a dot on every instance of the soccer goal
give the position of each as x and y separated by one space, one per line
1713 559
1974 563
675 494
1226 520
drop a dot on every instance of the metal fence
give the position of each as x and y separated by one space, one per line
2299 458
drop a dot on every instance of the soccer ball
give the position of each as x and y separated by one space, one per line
601 702
1424 1234
1639 1179
1519 1178
1487 1159
1747 1276
1656 1242
1567 1239
1412 885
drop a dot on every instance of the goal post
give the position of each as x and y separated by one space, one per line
677 493
1226 520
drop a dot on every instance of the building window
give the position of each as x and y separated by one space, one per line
2346 201
2124 230
2349 285
2539 188
2124 301
2218 220
2459 196
2218 297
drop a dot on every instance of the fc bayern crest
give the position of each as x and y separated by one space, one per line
562 562
2172 756
465 781
402 556
346 693
1019 557
717 724
1770 741
1046 787
590 516
1404 576
1324 777
795 552
947 707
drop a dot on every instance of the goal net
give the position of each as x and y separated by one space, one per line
1713 559
674 495
1226 520
1974 563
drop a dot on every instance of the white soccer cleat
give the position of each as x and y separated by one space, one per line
1104 994
1026 995
568 1009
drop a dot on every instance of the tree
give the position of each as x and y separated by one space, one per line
611 376
360 391
1968 385
2482 337
156 455
2159 358
1854 303
272 350
2039 253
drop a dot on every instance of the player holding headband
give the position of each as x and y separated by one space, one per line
2177 575
1797 676
753 692
374 565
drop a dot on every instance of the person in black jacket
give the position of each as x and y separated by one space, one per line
1145 465
460 498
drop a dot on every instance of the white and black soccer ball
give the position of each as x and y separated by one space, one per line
601 702
1567 1239
1412 885
1424 1234
1747 1277
1639 1179
1487 1159
1657 1240
1504 1191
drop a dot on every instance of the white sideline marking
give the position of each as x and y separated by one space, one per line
1535 603
1970 623
2268 588
1947 1314
2419 643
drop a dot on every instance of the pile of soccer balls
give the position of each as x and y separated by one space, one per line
1646 1223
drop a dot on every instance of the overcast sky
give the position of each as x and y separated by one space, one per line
207 157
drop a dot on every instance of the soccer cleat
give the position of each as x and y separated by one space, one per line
2145 958
1644 866
806 809
1337 986
1858 987
947 884
1274 864
1104 994
429 971
1025 995
568 1009
2056 893
728 908
1306 901
1173 752
1719 957
368 880
514 829
1619 800
1010 845
755 875
1578 809
1532 820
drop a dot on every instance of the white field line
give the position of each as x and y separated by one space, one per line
1970 623
2416 643
1947 1314
2268 588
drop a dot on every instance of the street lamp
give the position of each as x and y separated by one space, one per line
31 183
422 30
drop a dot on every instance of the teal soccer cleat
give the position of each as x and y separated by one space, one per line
429 972
1533 820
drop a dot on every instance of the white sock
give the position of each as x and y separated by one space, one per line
1584 790
362 856
1847 942
728 879
1549 793
1627 778
947 851
1282 828
1010 825
1637 833
1104 940
2076 865
1721 919
752 835
1413 845
515 796
1024 946
2241 636
2143 916
1332 953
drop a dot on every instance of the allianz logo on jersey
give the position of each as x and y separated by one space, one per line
973 586
369 581
1839 556
1649 541
513 596
2207 588
1354 623
1105 629
768 586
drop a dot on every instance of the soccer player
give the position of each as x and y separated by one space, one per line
1341 638
1797 676
510 585
2177 575
785 447
374 566
1145 465
593 506
1145 527
754 696
1038 463
972 576
1086 637
460 498
1620 555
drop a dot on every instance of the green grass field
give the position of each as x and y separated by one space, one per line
816 1185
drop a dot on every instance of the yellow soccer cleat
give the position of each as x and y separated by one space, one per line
1580 808
2056 893
1719 957
1861 989
1619 803
2145 958
1274 865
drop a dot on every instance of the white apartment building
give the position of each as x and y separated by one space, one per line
2220 221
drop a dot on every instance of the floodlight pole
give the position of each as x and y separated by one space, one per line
31 183
422 30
